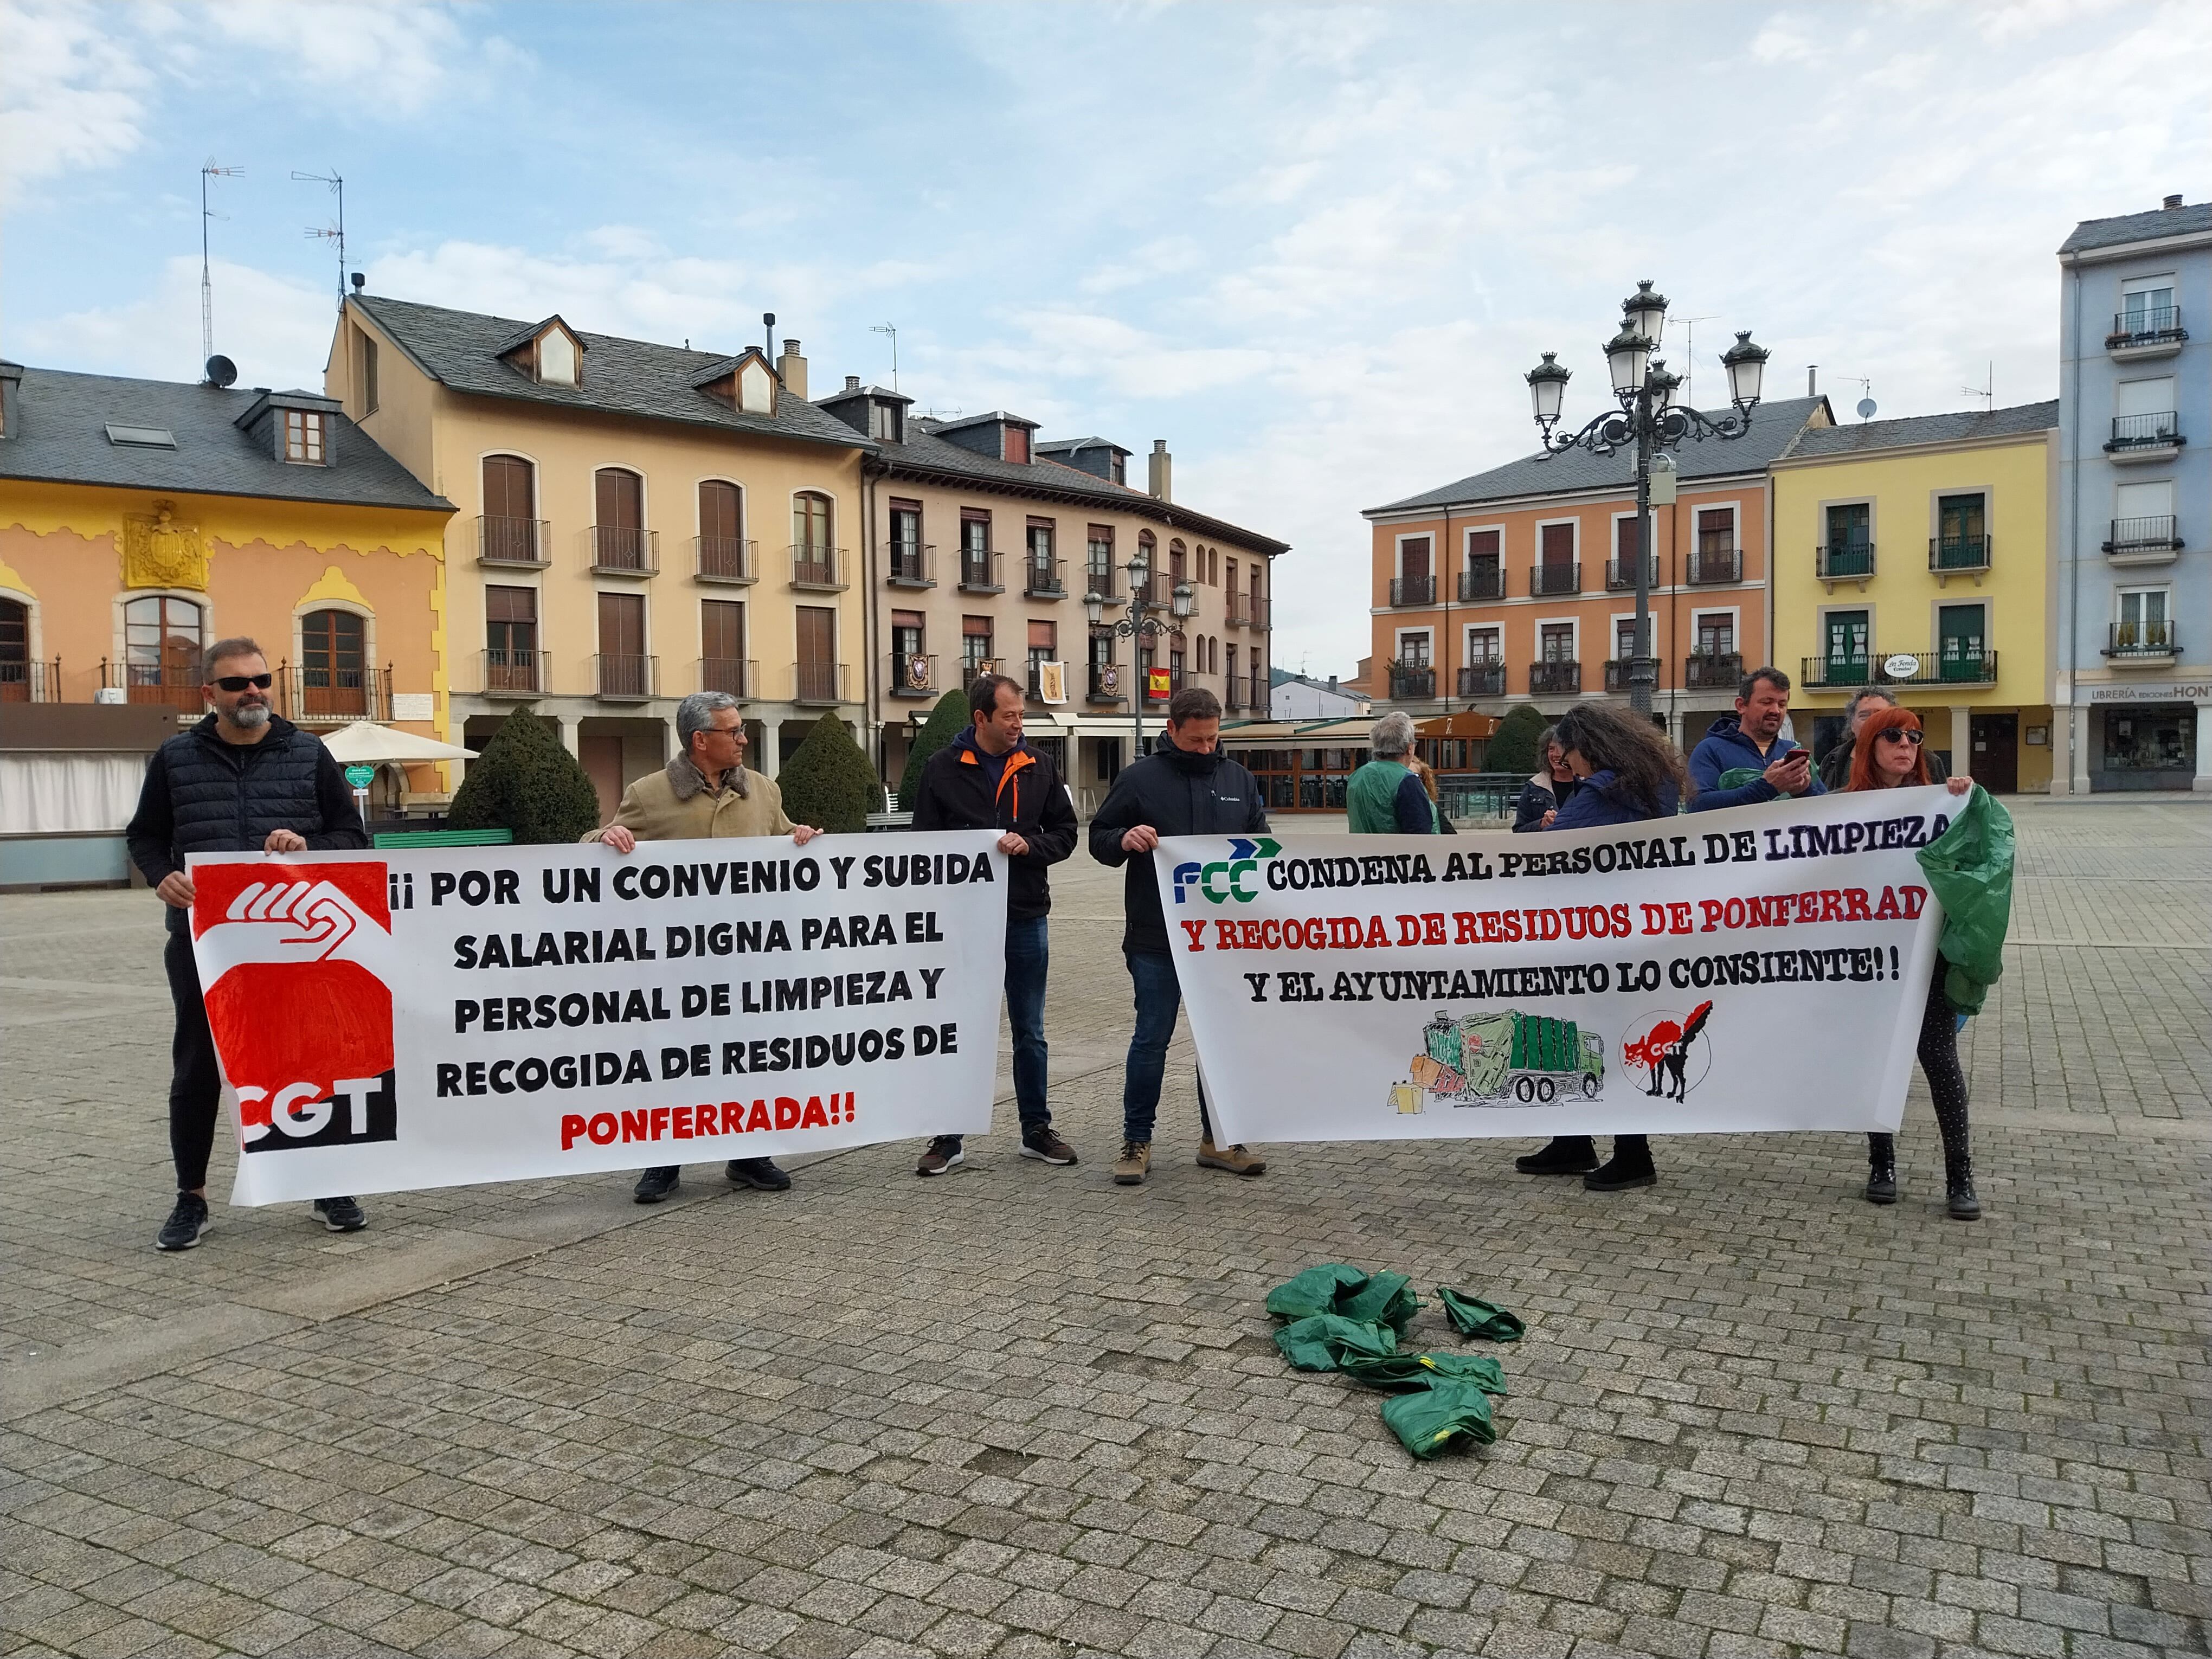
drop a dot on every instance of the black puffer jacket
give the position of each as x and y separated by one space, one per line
203 795
1178 794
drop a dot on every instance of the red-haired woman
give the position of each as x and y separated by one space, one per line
1886 755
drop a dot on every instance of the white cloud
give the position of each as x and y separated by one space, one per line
278 330
1782 40
72 96
397 57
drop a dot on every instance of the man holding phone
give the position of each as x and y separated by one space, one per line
1751 740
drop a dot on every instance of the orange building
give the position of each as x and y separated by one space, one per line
1518 584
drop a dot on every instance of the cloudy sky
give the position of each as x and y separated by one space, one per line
1314 247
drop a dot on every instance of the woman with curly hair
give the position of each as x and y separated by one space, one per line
1628 772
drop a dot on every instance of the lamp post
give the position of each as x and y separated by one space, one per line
1137 625
1650 419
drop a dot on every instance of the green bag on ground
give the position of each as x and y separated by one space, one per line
1320 1343
1396 1373
1387 1299
1968 866
1447 1412
1314 1291
1472 1317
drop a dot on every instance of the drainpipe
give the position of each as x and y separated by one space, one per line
870 670
1443 653
2077 718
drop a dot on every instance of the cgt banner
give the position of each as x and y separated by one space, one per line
569 1009
1760 969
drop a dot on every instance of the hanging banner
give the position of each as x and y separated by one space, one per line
1052 682
1762 967
569 1009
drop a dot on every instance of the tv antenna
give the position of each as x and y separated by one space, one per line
207 287
1689 348
886 328
1866 406
1987 392
330 232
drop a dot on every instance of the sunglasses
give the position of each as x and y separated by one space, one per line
1903 735
240 682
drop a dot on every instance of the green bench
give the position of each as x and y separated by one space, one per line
444 838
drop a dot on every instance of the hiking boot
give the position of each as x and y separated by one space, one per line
1136 1160
758 1173
1619 1174
1566 1155
656 1184
1046 1147
1958 1199
1881 1169
341 1215
1235 1159
187 1223
944 1153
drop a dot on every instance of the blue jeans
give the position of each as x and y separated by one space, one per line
1029 954
1159 997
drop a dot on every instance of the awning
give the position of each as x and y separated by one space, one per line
1465 723
1252 733
363 744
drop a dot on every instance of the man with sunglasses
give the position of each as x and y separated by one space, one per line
244 780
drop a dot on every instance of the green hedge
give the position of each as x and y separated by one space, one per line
946 721
828 781
524 781
1513 746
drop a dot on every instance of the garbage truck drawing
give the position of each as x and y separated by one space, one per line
1508 1058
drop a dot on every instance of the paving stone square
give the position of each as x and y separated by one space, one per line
1020 1410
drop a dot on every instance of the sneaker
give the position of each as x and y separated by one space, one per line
1047 1147
187 1223
758 1173
944 1154
1136 1160
656 1184
1565 1155
341 1215
1235 1159
1619 1177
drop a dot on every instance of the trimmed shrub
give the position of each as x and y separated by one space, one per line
1513 746
828 781
527 782
946 721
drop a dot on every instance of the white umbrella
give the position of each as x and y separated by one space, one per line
366 744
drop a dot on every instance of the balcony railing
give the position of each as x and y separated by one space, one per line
1234 697
1841 560
2161 325
1958 552
738 677
1411 682
1482 581
625 677
2161 435
1482 680
1100 579
1041 579
1260 698
1620 573
979 571
1106 683
1962 667
819 683
320 696
1413 590
1552 578
1705 670
2143 639
1551 679
911 564
724 558
1616 673
2140 536
511 673
31 682
1232 608
520 542
1256 612
175 685
624 550
913 674
817 566
1710 566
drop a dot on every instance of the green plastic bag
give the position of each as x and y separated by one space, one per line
1321 1342
1387 1299
1968 866
1472 1317
1314 1291
1396 1373
1449 1411
1736 776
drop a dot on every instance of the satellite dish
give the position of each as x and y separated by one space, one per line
220 371
1866 409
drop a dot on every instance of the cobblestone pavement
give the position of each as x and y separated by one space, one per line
1020 1410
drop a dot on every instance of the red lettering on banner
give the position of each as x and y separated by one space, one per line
787 1112
632 1126
1224 934
816 1118
1915 900
1196 929
1377 939
571 1127
1887 910
680 1124
660 1121
602 1129
733 1117
758 1118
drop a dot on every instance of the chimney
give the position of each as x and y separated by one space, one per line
791 369
2172 202
851 383
1159 481
1811 379
1332 684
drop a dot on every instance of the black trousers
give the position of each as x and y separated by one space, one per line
1946 1083
195 1075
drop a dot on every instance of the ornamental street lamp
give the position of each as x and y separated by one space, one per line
1650 419
1136 625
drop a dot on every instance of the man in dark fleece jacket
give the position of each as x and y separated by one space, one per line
989 778
1751 738
1189 787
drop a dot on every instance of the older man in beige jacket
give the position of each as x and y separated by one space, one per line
704 793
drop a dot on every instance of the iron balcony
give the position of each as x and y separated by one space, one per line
1482 680
1620 573
913 674
518 542
911 564
514 673
1551 679
623 676
723 558
1958 553
1709 567
1705 670
817 568
2143 641
1485 580
2155 332
735 677
1844 560
623 551
1411 682
979 571
1413 590
1548 580
2148 539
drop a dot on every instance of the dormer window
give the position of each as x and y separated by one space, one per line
1018 444
550 354
304 437
887 422
755 386
556 358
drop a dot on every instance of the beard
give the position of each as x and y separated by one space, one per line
253 716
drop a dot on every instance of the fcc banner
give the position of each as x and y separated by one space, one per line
1762 967
569 1009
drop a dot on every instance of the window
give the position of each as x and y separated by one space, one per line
1178 562
163 639
1959 629
556 358
303 436
1557 546
1040 532
887 421
1148 546
906 633
2143 621
810 523
2147 304
623 669
974 647
722 647
511 639
14 651
975 530
1044 647
1098 560
1231 675
1848 639
367 376
906 529
722 530
508 530
1484 645
2143 411
618 539
815 676
1850 548
1413 650
1412 586
1627 536
1017 444
2142 515
334 679
1716 529
909 654
1716 634
1624 638
1557 642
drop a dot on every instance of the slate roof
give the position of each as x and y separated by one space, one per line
1958 428
2138 228
1073 446
1773 425
462 349
58 433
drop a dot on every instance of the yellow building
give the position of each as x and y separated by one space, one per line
1918 554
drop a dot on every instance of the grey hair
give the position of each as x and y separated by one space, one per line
1392 738
1852 708
697 713
1545 741
236 646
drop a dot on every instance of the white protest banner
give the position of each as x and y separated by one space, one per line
430 1018
1762 968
